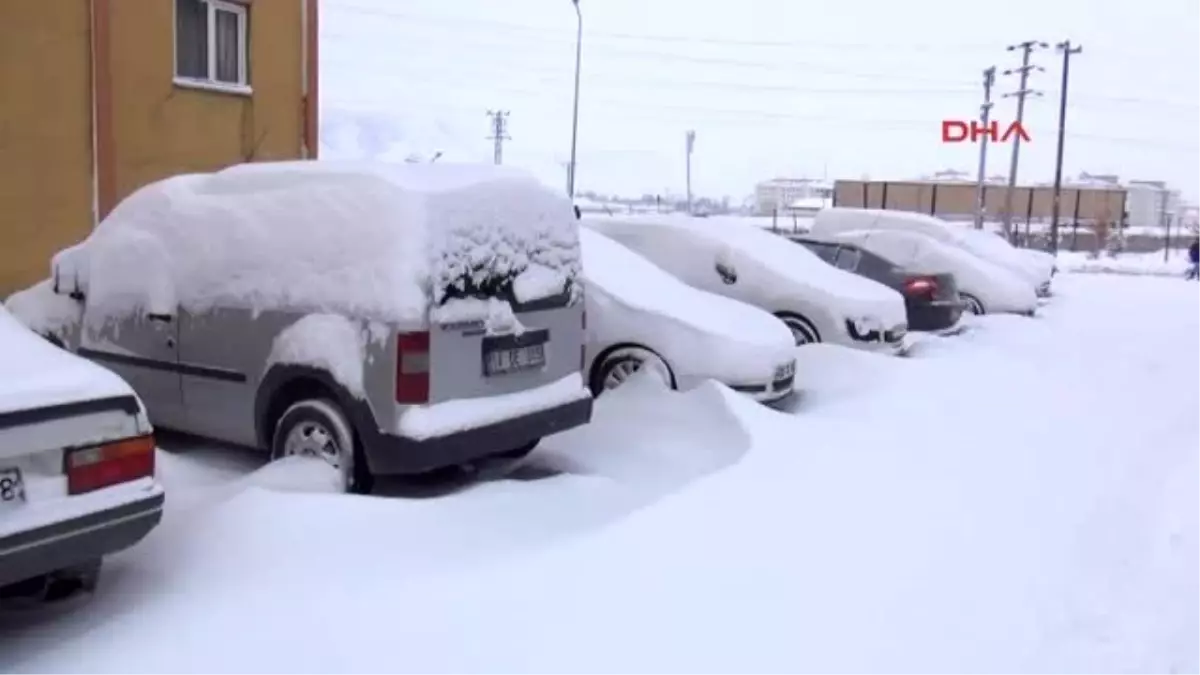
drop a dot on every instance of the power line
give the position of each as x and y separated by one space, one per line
790 66
549 76
459 21
946 86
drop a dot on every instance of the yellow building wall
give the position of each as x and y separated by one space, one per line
161 129
45 135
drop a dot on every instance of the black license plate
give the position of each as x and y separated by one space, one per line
12 487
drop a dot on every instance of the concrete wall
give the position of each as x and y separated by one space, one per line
45 134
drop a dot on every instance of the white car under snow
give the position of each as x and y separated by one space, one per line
986 287
76 466
1036 271
816 301
642 319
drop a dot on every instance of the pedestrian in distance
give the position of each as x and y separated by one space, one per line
1194 260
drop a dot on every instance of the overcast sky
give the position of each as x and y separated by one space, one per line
771 87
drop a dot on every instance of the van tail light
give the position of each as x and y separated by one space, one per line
105 465
412 368
920 286
583 320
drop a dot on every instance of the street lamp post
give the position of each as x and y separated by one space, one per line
575 113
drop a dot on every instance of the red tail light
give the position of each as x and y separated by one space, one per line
920 286
412 368
106 465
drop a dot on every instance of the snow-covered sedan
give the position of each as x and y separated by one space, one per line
817 302
986 288
76 466
1035 271
642 319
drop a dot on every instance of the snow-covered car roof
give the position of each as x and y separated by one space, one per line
35 373
378 240
781 257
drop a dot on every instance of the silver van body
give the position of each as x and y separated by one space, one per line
231 370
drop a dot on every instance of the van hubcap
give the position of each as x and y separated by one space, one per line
312 439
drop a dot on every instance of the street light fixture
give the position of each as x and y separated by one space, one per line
575 113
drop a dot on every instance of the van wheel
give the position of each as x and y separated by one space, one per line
803 332
614 368
974 306
318 428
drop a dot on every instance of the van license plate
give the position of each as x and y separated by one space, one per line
503 361
12 488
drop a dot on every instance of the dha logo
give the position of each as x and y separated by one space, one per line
957 131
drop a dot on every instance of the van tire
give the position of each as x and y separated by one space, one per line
626 359
322 422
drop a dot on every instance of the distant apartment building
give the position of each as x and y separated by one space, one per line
782 195
1153 204
104 96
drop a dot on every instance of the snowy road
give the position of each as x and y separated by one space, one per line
1021 497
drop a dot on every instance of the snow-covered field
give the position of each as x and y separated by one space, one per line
1156 264
1020 497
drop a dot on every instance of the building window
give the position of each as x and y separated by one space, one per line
212 43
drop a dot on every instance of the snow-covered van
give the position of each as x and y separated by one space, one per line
816 301
76 467
391 319
1035 270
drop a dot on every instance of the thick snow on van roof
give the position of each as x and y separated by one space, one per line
379 240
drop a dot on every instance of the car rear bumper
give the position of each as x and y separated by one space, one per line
932 317
392 455
48 548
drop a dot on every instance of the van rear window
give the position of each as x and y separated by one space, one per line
481 286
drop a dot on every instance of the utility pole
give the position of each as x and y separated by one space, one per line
499 133
1067 50
985 112
1026 48
691 143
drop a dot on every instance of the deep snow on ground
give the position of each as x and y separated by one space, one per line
1020 497
1159 263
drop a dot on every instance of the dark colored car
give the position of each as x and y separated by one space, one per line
931 300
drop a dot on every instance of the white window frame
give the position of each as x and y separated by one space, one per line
242 86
